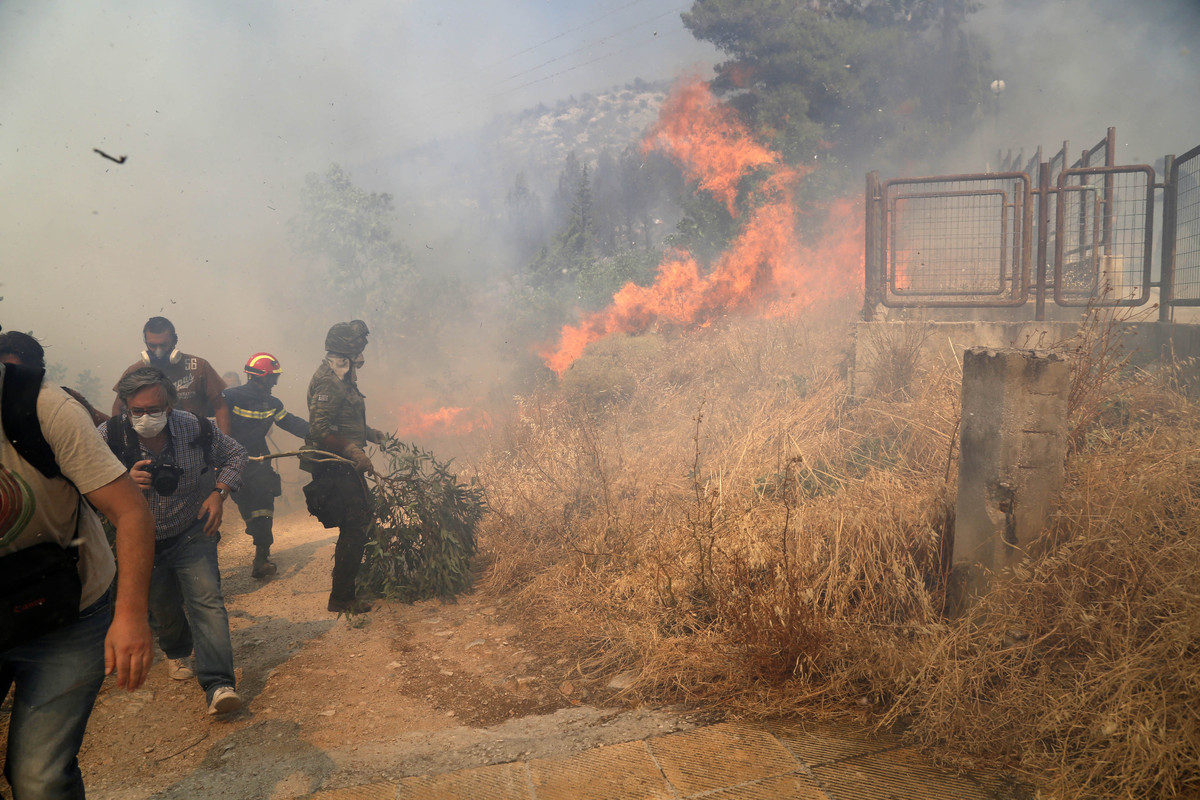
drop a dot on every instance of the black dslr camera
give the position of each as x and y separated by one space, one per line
164 476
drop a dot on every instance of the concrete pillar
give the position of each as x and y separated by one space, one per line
1010 468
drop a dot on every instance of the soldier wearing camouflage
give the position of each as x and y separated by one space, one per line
338 495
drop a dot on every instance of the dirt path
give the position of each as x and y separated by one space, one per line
404 690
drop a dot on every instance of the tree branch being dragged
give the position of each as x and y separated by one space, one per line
423 538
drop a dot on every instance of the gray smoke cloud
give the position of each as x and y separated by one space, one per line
1074 68
221 109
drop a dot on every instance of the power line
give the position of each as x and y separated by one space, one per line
446 88
557 36
592 61
586 47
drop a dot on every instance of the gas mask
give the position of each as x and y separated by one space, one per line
340 365
161 355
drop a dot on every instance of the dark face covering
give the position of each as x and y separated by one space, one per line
160 351
159 356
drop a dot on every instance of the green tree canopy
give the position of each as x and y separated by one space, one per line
845 82
349 231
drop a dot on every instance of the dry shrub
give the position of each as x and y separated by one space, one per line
739 529
1100 367
742 532
894 356
610 373
1083 665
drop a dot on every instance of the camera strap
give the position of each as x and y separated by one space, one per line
123 441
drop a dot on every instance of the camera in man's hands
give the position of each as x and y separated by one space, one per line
164 476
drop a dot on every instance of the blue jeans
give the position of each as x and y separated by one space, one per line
186 576
57 678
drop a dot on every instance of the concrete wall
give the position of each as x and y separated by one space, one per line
942 343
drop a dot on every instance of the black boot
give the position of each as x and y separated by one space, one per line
351 606
263 566
346 557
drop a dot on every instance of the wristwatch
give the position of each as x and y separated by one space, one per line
223 492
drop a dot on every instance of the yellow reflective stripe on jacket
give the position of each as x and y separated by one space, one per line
248 414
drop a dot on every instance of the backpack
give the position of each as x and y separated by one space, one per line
18 413
40 585
123 441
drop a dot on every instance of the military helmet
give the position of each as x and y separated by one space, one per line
261 364
347 338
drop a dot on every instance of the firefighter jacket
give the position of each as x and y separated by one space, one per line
253 410
335 406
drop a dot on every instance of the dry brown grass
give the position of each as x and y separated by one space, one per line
734 528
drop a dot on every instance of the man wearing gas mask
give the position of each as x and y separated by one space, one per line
338 496
186 468
197 384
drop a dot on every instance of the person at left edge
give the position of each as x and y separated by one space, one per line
185 468
58 674
24 350
197 384
255 410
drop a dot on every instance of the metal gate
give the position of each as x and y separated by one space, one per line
1181 231
1077 236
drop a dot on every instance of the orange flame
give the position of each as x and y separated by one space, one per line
766 269
413 422
712 145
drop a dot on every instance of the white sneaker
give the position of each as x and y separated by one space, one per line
224 700
180 669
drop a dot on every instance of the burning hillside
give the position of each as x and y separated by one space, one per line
766 271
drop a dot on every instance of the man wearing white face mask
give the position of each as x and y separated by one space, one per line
186 468
337 496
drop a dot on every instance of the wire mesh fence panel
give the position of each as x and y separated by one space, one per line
1031 166
1099 154
1056 164
1102 242
1187 229
957 241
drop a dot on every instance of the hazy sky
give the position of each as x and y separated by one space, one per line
1073 68
222 107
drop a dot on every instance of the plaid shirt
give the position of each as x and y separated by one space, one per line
176 513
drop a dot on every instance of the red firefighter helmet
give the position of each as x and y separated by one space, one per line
262 364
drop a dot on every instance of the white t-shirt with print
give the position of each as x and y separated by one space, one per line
35 509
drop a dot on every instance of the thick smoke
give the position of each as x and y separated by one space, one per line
221 110
1074 68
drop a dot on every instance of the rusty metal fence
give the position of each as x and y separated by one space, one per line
1181 230
1103 253
983 259
1078 235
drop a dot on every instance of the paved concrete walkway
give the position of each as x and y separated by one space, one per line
729 761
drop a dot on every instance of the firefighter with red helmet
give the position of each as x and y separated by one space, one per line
253 410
